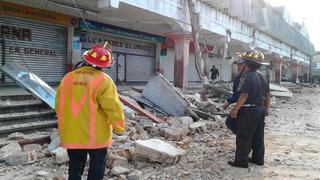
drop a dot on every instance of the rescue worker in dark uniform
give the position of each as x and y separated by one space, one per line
231 123
250 111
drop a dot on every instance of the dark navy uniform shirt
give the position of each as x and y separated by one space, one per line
236 93
255 85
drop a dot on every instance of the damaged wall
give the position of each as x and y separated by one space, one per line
167 64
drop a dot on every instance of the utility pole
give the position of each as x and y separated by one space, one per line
195 24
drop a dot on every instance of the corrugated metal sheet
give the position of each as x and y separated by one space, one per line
139 56
42 47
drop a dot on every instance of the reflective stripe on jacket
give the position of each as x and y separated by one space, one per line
88 109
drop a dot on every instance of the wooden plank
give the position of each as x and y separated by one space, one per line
127 102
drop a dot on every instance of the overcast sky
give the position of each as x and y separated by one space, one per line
307 11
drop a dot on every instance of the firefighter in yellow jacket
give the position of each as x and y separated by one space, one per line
88 110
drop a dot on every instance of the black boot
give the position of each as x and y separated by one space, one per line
259 163
237 164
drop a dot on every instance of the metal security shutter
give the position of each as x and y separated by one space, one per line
139 68
139 56
44 52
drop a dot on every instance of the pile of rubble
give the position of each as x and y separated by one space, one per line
143 142
162 125
153 134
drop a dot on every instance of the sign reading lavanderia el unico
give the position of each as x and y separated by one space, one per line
95 26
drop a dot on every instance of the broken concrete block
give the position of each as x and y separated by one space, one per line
32 147
22 158
119 170
157 150
136 175
153 131
61 155
174 122
122 139
186 120
198 127
9 149
126 153
55 141
217 117
144 122
142 133
197 97
175 134
129 113
54 134
16 136
115 160
40 154
42 173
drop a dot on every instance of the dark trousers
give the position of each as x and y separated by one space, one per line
77 163
250 134
231 124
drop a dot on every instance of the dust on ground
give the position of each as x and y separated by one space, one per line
291 139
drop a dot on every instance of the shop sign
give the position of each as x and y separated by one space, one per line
96 26
85 37
37 14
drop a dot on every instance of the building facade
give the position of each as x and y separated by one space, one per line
149 36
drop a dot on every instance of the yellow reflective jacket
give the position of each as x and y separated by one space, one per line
88 109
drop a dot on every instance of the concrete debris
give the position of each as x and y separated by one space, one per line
125 153
16 136
8 150
157 150
122 139
42 173
21 158
145 122
61 155
274 87
32 147
281 94
115 160
174 122
118 170
185 120
198 127
55 141
136 175
175 134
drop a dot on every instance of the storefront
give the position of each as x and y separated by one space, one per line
134 52
35 37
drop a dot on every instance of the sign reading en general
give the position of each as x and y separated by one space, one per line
37 14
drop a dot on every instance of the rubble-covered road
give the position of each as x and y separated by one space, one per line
292 149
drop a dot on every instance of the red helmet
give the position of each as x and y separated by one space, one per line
98 55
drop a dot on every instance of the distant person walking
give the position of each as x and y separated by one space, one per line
214 73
